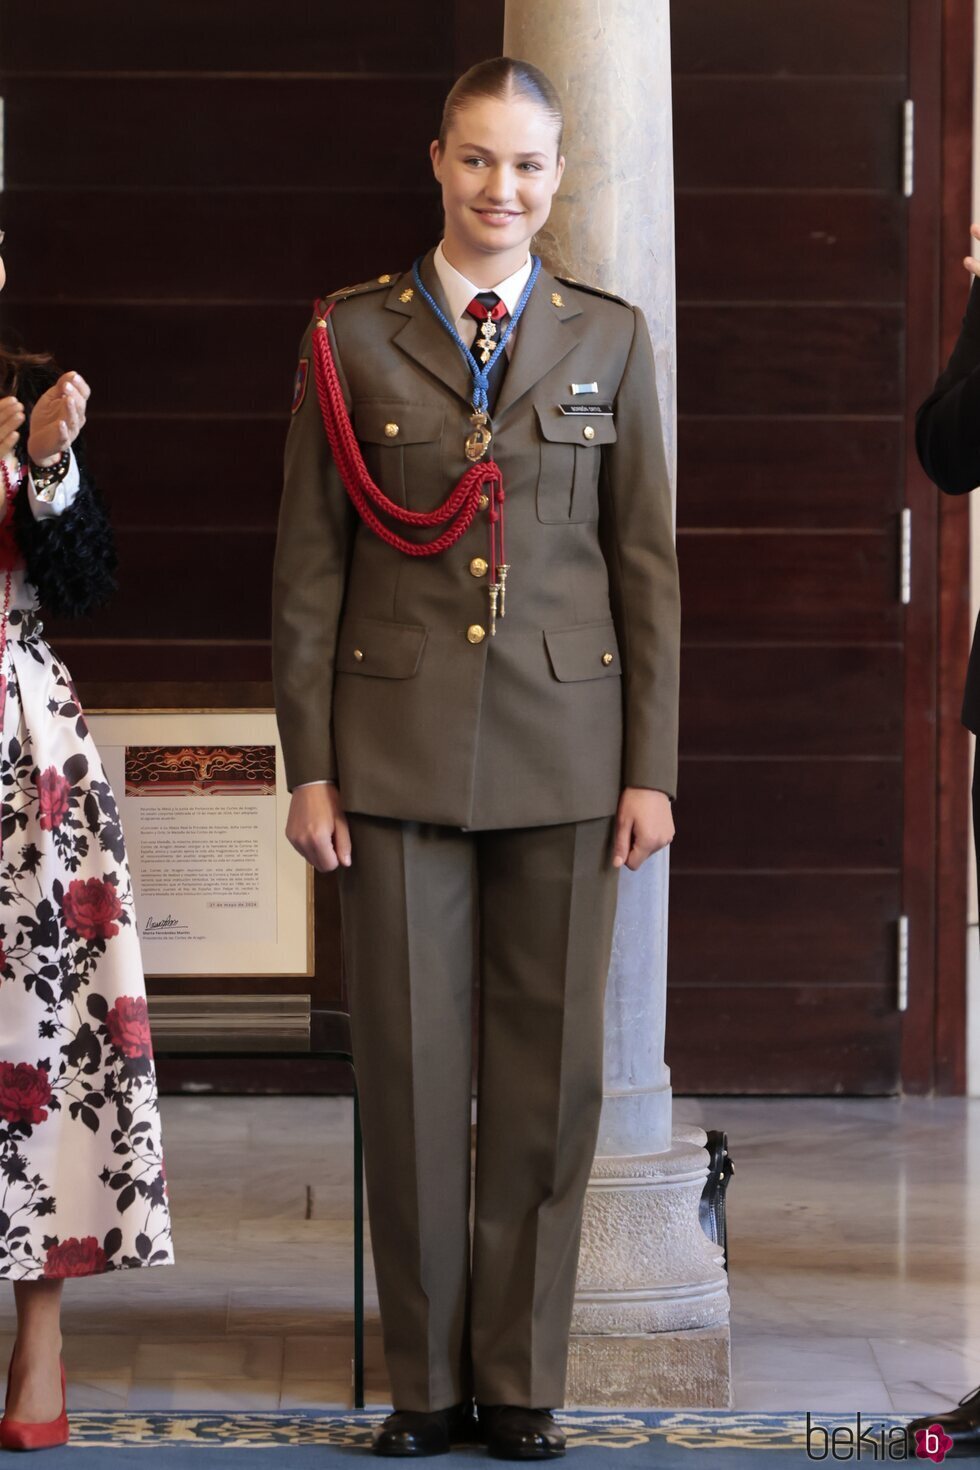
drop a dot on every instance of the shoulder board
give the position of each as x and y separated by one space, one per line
377 283
592 290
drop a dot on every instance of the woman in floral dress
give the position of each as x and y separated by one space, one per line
82 1183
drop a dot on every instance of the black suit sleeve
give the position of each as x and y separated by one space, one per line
947 426
70 558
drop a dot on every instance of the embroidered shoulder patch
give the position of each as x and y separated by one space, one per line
299 384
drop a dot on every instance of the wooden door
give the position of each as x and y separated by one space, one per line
788 881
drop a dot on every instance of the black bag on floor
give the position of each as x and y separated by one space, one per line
711 1211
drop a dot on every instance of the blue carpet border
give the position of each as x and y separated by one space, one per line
690 1429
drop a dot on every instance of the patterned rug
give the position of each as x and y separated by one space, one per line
714 1439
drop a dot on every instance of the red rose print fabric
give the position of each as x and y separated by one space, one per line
82 1183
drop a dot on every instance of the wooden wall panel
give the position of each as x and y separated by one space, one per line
834 813
764 1041
834 929
790 586
751 359
787 133
809 246
177 360
222 132
761 37
194 245
201 471
728 707
229 36
763 472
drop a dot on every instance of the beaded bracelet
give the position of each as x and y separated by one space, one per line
44 476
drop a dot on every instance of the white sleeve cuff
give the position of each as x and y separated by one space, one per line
55 502
325 781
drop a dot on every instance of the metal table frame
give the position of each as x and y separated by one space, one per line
328 1041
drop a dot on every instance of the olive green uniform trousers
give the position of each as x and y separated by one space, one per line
427 909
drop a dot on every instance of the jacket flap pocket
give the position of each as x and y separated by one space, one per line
563 428
380 422
382 649
586 651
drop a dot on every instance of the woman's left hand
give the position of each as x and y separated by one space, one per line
644 824
57 419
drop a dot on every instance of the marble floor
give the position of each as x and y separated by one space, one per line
854 1239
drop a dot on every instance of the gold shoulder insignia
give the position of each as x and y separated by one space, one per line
377 283
592 290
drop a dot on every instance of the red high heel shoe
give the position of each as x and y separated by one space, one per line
15 1435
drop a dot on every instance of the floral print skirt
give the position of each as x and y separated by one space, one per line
82 1182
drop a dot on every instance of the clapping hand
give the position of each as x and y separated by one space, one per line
57 419
11 418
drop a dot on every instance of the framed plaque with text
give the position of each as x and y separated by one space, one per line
219 891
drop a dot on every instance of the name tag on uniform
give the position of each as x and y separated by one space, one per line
604 410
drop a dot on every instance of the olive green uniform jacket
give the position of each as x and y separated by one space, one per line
379 684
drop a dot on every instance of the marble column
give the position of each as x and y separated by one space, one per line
651 1315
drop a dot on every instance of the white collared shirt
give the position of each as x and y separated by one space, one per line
459 292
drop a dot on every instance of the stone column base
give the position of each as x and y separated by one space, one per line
650 1320
663 1370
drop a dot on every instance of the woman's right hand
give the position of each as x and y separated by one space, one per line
11 419
317 828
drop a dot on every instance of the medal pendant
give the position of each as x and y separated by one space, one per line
487 344
478 442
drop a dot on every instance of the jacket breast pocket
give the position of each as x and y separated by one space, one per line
402 448
571 450
380 649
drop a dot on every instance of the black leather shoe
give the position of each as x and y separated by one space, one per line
412 1432
514 1433
961 1425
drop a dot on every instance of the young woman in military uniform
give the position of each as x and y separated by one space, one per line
479 738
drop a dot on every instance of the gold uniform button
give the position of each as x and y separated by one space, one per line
589 432
484 501
478 567
607 658
358 654
475 633
391 430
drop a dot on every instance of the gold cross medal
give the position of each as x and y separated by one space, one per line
485 346
478 440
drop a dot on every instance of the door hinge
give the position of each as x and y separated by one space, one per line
908 148
905 557
902 997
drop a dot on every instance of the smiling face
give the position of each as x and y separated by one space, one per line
499 172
